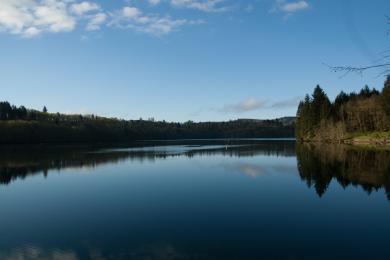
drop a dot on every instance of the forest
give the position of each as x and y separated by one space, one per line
363 114
19 125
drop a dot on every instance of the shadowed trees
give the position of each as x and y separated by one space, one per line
366 111
21 126
8 112
311 111
386 97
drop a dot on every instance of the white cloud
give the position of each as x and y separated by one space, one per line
84 7
96 21
154 2
288 103
253 104
130 12
249 104
202 5
13 17
291 7
30 18
132 18
91 12
32 32
53 16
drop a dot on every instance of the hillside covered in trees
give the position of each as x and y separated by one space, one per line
354 117
19 125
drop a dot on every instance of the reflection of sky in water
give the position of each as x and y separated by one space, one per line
257 169
160 251
246 205
171 149
31 252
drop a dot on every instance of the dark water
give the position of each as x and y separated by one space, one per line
200 200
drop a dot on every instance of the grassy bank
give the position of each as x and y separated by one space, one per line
372 138
362 139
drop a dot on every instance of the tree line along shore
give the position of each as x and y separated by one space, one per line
19 125
356 118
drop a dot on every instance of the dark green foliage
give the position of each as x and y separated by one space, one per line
20 125
8 112
386 97
320 119
311 111
320 105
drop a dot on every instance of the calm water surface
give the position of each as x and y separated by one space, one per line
196 200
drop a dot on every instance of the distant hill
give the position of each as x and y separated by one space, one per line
286 121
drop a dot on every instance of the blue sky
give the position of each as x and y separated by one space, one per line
184 60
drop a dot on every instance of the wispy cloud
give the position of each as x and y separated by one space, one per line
202 5
288 103
153 24
246 105
96 21
84 7
253 104
154 2
290 7
294 7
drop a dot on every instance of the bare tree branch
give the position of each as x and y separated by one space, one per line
382 63
359 70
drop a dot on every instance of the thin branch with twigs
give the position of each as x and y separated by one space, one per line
385 65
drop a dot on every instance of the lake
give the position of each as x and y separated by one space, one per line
222 199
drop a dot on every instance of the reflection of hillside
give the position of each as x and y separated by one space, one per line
19 163
365 167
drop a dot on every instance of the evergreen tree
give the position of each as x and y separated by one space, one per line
44 110
320 105
22 112
5 111
386 96
365 92
318 118
304 117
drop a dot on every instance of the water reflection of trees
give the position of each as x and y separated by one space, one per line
319 164
19 163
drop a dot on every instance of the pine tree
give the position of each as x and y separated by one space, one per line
320 105
304 117
386 96
44 110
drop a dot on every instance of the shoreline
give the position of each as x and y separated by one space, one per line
373 138
145 142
